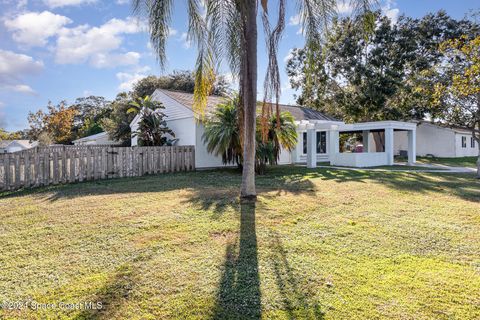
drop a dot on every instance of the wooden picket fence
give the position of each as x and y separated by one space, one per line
67 164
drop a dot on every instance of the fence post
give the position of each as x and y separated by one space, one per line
7 172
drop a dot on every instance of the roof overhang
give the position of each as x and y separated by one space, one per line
378 126
318 124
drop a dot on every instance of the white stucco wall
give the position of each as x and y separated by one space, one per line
285 157
299 157
468 151
184 130
431 139
204 159
360 159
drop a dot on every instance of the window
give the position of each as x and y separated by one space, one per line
472 142
464 142
321 142
304 143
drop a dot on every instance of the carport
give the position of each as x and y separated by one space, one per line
369 157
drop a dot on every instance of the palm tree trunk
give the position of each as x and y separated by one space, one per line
249 99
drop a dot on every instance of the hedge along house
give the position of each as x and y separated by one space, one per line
318 134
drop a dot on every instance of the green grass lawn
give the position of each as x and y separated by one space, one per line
470 162
318 244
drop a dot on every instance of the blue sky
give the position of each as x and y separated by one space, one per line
53 50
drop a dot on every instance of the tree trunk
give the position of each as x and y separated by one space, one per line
378 138
478 161
249 99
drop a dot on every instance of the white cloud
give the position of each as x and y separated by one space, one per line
64 3
13 67
21 88
389 9
96 44
34 29
186 43
294 20
102 60
128 79
172 32
344 7
123 1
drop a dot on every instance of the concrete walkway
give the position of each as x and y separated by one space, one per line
427 168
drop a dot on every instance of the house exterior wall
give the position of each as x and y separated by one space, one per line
204 159
360 159
431 139
187 130
468 150
298 156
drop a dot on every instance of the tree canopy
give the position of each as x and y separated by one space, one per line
373 76
181 80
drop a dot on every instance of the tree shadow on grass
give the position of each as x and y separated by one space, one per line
111 296
297 300
238 295
463 186
217 190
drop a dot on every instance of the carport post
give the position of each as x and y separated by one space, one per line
412 147
311 147
389 145
365 138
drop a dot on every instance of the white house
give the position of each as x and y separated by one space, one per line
7 146
320 130
101 138
440 141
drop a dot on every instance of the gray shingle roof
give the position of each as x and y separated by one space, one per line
299 113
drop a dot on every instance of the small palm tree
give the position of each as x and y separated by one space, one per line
281 134
222 134
152 129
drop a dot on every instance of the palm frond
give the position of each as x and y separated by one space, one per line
272 85
158 14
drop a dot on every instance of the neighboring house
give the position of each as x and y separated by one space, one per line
8 146
101 138
440 141
318 134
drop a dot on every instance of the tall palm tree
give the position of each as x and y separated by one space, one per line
229 30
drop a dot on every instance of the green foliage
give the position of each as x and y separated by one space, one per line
64 123
90 113
5 135
280 134
117 125
222 136
455 86
152 129
370 77
180 80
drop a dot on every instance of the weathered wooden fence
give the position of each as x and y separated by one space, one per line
68 164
